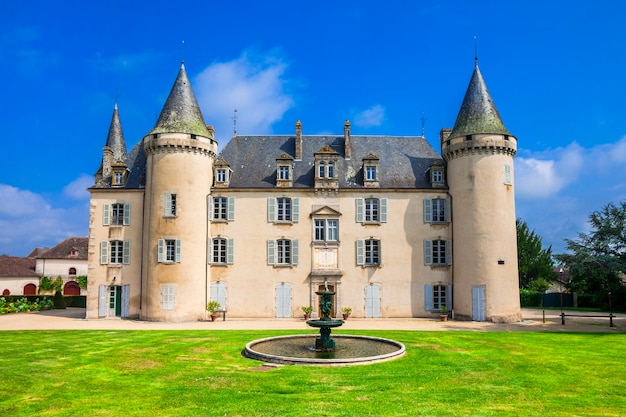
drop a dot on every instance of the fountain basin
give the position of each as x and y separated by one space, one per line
324 323
300 350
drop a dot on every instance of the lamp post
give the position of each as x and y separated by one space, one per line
561 294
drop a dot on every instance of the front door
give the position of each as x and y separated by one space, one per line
115 301
332 300
478 303
372 301
283 300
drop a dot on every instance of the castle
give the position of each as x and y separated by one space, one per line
392 226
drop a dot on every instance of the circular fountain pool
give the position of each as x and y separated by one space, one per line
300 350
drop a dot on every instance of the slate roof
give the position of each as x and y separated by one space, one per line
63 250
404 160
11 266
478 112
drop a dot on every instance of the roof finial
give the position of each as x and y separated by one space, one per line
423 123
475 51
235 124
182 50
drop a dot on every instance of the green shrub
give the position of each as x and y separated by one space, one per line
530 298
59 301
82 281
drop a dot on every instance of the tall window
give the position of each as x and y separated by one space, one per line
282 252
221 175
436 210
283 206
117 178
169 250
116 252
437 252
283 209
222 250
370 173
371 210
440 296
368 252
331 170
169 205
168 293
118 214
326 230
283 172
223 208
437 296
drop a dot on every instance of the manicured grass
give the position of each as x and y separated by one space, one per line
189 373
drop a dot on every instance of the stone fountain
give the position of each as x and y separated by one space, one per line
324 343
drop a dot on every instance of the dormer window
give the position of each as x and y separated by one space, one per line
117 178
370 171
222 173
437 179
370 174
284 171
326 170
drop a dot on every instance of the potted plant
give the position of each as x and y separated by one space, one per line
444 313
211 307
307 310
346 311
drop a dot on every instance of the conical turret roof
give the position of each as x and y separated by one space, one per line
478 112
115 139
181 113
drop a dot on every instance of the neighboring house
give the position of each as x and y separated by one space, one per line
67 260
271 219
18 276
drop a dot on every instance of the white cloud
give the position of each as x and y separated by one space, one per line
557 189
28 220
253 84
77 189
371 117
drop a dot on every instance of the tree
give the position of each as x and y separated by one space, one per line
597 261
534 262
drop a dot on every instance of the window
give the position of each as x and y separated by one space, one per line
283 209
437 296
437 176
118 177
368 252
326 230
436 210
223 208
221 175
283 173
370 173
321 170
169 250
331 170
222 250
508 175
282 252
72 271
437 252
116 214
168 292
115 252
218 293
371 210
169 205
326 169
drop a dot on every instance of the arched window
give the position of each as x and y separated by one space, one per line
72 271
6 292
30 289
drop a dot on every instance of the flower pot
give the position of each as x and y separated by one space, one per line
346 315
443 317
213 317
307 316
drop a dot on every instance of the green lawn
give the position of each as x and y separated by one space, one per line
202 373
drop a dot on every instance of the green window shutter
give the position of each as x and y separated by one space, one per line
161 250
104 252
428 211
360 210
230 251
271 252
448 252
178 250
271 209
428 297
167 205
383 210
447 209
126 252
106 215
231 209
295 210
360 252
428 252
295 252
126 214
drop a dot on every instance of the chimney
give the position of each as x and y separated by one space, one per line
298 155
347 145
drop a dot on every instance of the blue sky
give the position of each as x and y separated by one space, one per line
555 69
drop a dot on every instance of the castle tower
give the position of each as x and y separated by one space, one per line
114 151
479 152
180 152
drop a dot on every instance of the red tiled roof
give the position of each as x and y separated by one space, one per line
64 249
11 266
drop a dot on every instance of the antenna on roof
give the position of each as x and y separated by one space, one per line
475 50
423 123
235 123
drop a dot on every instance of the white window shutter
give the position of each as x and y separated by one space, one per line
271 252
125 300
383 210
295 210
448 252
360 210
167 205
295 252
161 250
449 296
210 251
178 250
102 301
230 251
106 214
126 214
428 297
428 211
360 252
104 252
271 209
447 209
428 252
231 209
507 174
211 208
126 252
